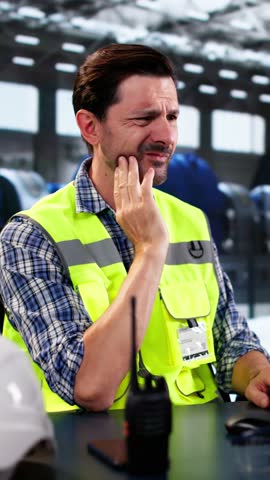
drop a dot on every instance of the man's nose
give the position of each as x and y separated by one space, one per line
164 131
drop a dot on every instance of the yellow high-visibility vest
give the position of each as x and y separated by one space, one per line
188 290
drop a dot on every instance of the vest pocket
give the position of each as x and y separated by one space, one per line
189 382
188 302
194 386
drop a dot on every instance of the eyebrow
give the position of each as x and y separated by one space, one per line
174 111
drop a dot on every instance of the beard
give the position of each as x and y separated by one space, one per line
160 167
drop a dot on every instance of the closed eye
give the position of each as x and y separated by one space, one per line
172 117
146 117
149 118
143 120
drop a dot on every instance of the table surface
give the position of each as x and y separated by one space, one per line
199 447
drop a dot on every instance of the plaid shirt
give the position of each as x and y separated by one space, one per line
51 317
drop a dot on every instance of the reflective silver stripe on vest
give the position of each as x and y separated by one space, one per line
189 252
104 252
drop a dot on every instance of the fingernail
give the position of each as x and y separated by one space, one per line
264 403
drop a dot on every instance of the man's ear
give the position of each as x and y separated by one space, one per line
88 125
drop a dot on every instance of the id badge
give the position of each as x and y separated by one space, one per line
193 342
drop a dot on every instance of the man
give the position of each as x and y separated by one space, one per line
70 265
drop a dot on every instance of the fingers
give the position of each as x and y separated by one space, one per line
126 181
147 183
260 399
127 187
258 391
116 193
122 180
134 188
135 207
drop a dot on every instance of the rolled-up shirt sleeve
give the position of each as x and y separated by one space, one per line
232 336
42 304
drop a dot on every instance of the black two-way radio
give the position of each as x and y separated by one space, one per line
148 418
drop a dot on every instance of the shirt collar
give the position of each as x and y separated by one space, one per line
87 197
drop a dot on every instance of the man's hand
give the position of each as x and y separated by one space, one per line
136 210
258 389
251 377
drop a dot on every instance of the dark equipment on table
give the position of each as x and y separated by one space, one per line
148 418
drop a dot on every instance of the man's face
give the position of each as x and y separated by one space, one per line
143 123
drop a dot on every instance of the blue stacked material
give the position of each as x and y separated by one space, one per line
242 219
54 186
191 179
19 190
261 196
9 199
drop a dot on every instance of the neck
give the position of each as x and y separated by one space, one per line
103 180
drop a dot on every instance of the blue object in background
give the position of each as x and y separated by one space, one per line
191 179
261 196
54 186
19 190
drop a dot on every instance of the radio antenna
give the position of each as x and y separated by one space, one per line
134 379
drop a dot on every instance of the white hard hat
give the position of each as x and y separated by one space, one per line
23 420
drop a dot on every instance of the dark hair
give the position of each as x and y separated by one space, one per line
97 81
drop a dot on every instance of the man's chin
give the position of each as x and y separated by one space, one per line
159 179
161 171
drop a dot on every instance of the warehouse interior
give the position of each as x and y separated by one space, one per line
221 49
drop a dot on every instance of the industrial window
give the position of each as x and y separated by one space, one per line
238 132
189 127
19 107
65 118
